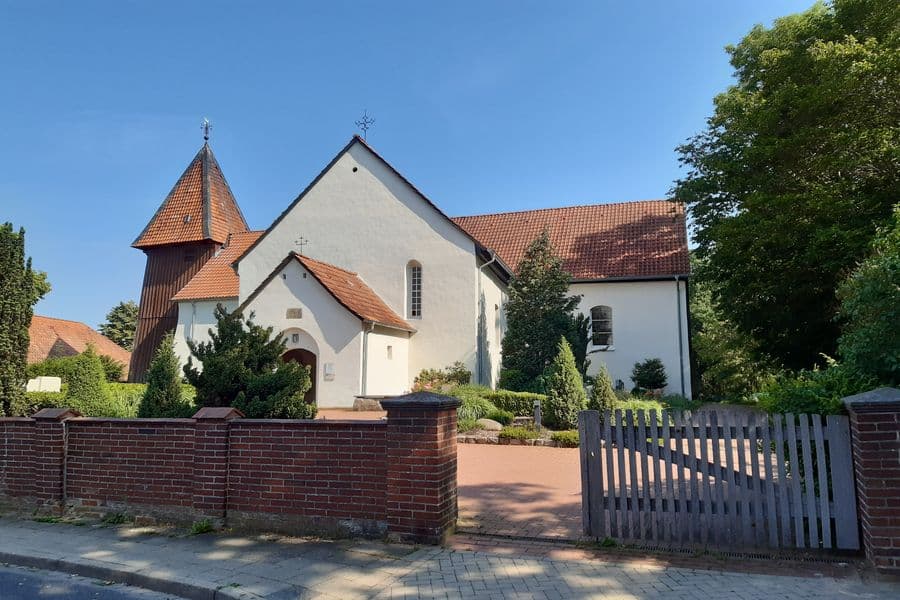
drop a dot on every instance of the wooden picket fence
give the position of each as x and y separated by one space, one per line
718 479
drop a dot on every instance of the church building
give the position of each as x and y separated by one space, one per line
370 282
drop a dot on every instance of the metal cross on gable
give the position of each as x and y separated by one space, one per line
301 241
365 123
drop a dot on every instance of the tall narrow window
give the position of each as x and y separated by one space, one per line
414 290
601 326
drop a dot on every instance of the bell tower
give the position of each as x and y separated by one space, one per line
189 227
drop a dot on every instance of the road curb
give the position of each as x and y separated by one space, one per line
184 589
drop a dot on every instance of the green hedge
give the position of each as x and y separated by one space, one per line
520 404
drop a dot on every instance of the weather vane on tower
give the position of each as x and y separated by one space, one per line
365 123
205 127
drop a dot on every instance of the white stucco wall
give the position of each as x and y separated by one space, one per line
195 319
325 328
644 326
494 327
371 222
387 370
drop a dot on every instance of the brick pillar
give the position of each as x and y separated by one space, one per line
211 460
421 469
875 435
48 452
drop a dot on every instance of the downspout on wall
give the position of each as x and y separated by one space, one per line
680 331
365 359
482 310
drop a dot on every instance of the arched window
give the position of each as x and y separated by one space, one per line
414 290
601 326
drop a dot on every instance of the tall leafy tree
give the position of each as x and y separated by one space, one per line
17 298
538 313
242 367
870 309
797 167
121 321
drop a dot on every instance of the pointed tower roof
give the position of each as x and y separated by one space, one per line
199 207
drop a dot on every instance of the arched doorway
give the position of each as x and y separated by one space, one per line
308 359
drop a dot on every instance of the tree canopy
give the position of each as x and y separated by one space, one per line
870 310
121 322
796 169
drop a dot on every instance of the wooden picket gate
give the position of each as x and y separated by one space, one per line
778 481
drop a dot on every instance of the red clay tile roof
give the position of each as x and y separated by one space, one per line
52 338
624 240
351 292
217 278
199 207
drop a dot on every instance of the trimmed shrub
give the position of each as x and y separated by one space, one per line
62 367
602 395
35 401
679 402
566 439
519 433
520 404
88 391
565 390
813 392
504 417
649 375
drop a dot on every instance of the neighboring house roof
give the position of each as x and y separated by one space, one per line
358 140
346 287
53 338
628 240
199 207
217 278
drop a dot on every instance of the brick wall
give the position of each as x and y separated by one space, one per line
875 434
368 478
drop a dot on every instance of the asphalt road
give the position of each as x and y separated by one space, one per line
17 583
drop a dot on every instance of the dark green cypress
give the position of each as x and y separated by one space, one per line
17 298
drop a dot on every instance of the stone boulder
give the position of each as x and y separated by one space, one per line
488 425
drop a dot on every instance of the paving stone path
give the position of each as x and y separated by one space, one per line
251 568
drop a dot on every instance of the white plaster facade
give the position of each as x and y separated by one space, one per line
195 319
646 317
359 214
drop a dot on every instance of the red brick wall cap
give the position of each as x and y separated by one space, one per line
877 400
55 414
221 413
421 400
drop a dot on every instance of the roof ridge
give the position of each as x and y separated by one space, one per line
302 257
595 205
65 320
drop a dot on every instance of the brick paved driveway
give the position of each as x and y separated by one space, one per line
520 491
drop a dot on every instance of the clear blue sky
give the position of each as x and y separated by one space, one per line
485 106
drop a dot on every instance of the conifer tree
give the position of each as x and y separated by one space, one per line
565 389
242 367
602 395
163 395
538 314
17 298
